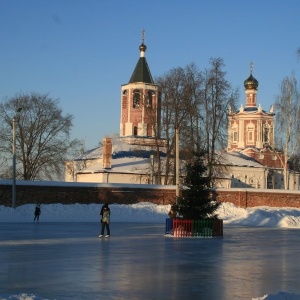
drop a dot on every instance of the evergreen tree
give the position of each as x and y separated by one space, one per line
196 201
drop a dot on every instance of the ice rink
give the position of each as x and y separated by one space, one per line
69 261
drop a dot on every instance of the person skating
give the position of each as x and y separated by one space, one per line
37 213
104 205
105 220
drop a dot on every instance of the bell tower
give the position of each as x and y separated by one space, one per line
251 85
251 126
140 102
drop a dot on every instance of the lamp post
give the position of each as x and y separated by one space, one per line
177 161
14 161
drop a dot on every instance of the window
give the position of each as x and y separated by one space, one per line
250 133
250 136
235 136
235 132
135 131
136 98
266 135
150 94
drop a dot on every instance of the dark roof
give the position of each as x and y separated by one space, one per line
252 109
141 72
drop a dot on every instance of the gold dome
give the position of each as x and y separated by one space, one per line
143 47
251 83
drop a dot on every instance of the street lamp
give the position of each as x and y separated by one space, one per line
177 161
14 160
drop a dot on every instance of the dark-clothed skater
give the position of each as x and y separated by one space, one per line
37 213
105 220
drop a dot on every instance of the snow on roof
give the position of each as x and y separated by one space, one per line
128 158
91 154
239 159
122 165
119 149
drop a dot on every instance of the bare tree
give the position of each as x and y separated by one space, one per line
176 97
196 102
294 162
42 136
288 122
217 97
191 137
152 111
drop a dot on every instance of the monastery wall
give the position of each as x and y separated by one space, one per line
259 197
86 193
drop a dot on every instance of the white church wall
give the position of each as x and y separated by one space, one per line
128 129
91 177
107 177
243 177
294 181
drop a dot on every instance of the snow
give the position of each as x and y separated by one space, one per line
279 296
147 212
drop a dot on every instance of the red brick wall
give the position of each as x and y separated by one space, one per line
121 194
255 197
85 194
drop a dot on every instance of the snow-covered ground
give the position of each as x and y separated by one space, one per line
148 212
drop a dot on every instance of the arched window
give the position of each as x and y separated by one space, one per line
150 94
136 98
234 130
250 133
266 135
235 137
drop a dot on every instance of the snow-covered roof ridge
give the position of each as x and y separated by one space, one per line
91 154
239 159
88 184
127 164
119 149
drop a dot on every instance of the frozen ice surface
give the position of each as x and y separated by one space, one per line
52 260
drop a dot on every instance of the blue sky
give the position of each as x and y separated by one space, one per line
82 51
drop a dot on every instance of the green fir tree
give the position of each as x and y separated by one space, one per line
196 201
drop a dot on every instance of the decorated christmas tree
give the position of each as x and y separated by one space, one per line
196 201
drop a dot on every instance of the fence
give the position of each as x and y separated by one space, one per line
194 228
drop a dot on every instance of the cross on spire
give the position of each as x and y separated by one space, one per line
251 67
143 36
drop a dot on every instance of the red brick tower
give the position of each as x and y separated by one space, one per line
140 103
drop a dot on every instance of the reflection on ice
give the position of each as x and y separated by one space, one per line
44 242
69 261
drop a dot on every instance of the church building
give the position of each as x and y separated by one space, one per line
251 134
130 157
250 159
